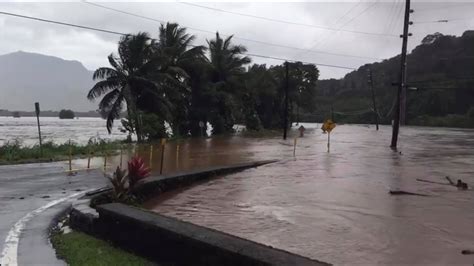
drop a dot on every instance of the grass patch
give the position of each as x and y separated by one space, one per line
13 152
451 120
79 249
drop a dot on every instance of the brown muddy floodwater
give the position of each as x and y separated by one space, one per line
335 206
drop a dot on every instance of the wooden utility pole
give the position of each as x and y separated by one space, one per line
402 81
376 114
285 113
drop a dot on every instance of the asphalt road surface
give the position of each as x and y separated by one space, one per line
31 195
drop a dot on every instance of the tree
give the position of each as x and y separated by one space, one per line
260 97
431 38
66 114
179 64
126 80
226 70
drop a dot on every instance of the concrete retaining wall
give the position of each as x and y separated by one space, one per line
172 242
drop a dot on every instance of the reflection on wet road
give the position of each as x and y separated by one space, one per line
335 206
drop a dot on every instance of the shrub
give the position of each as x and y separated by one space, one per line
123 183
119 183
137 171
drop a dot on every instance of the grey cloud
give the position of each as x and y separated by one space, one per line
91 48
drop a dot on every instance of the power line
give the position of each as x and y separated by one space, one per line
399 18
443 7
442 20
320 40
293 60
226 35
62 23
431 21
285 21
395 15
353 18
125 34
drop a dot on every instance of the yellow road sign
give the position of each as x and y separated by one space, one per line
328 126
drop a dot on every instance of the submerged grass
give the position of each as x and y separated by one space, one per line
13 152
79 249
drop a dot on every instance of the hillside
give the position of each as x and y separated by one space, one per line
57 84
441 77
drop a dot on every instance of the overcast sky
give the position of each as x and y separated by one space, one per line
383 18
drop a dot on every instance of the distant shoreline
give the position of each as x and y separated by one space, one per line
57 116
5 113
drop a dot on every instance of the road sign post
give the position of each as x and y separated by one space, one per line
328 126
37 110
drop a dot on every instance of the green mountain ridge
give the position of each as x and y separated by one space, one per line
440 75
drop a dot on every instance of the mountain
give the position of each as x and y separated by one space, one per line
26 78
440 75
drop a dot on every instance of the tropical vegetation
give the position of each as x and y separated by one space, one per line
170 86
13 152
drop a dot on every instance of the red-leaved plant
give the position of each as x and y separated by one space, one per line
136 171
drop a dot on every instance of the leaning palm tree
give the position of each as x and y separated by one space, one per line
227 67
126 79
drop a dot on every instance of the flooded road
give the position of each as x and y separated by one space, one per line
335 206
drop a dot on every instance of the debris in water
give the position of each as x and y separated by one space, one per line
450 180
461 185
434 182
401 192
467 252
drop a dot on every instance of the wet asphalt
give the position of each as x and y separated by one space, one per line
25 188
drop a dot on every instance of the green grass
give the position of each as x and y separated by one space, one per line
13 152
81 249
452 120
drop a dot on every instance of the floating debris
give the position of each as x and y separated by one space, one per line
401 192
467 252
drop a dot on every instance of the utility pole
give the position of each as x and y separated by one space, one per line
371 83
285 113
402 81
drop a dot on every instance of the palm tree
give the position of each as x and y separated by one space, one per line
226 59
125 80
227 67
179 64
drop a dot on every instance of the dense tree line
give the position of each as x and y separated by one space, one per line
440 77
171 81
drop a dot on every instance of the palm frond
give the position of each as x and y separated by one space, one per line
104 72
108 100
102 87
114 112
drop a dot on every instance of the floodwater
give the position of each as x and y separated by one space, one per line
80 130
335 206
